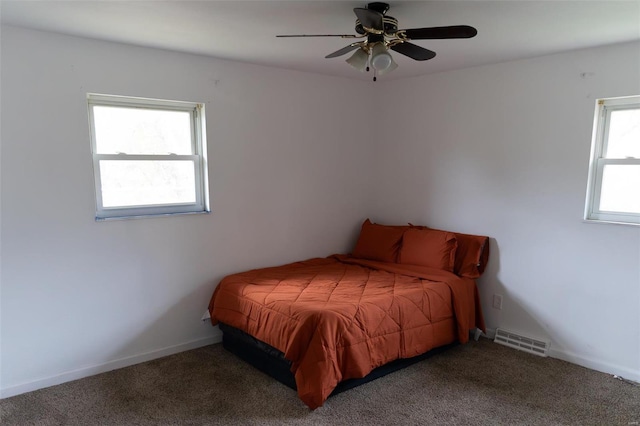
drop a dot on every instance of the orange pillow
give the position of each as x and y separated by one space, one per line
429 247
379 242
472 255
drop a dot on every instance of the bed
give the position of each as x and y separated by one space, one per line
321 325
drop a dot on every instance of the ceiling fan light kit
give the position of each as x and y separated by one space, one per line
380 58
390 68
359 60
381 33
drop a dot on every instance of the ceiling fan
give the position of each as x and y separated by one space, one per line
380 33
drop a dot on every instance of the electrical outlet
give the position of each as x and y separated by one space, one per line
497 301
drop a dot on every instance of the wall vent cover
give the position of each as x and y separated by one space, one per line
523 343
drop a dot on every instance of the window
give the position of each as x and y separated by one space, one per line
149 156
613 191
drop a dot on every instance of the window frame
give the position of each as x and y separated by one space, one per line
198 157
597 162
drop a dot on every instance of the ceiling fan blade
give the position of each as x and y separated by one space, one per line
320 35
342 51
413 51
455 31
369 18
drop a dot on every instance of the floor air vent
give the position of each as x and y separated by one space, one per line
522 343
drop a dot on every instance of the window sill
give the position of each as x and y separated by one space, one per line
609 222
147 216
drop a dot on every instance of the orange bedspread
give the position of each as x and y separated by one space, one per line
340 317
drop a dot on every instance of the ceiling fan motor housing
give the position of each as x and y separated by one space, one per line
378 7
389 23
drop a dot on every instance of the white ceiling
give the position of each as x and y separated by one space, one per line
245 30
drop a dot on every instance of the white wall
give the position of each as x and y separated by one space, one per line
289 180
499 150
503 151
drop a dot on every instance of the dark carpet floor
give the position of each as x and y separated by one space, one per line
480 383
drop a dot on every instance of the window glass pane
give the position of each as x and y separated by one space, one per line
142 131
624 134
620 188
129 183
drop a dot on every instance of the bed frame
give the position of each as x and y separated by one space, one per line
272 362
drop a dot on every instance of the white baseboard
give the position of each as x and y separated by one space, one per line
108 366
217 338
593 364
